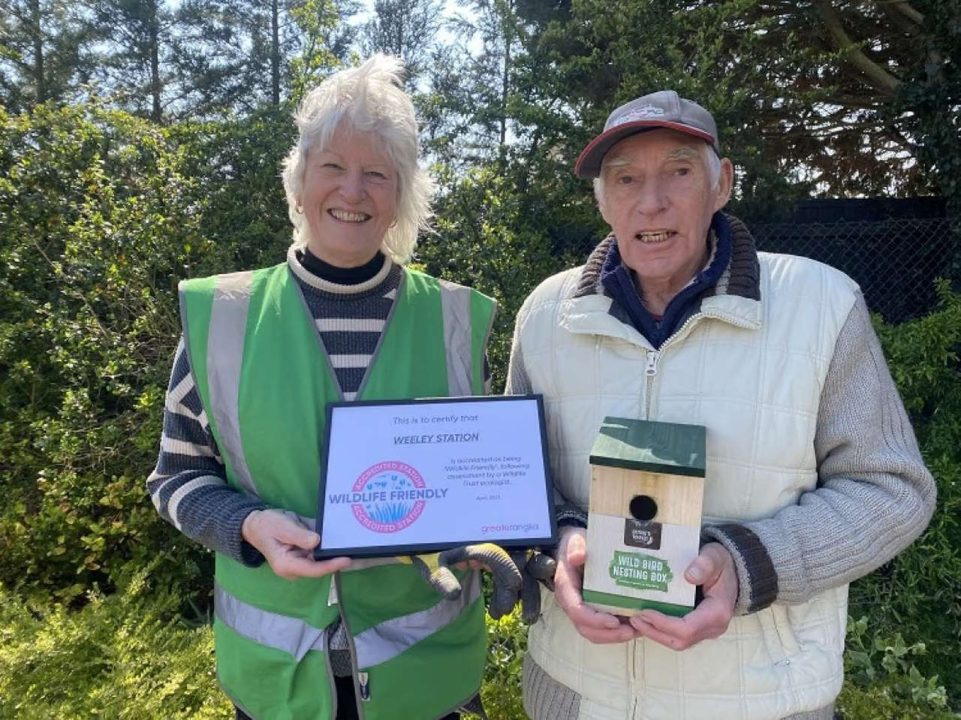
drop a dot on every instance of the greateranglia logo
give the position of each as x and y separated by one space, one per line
388 496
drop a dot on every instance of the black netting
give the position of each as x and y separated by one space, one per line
895 260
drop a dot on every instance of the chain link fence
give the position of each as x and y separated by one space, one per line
896 261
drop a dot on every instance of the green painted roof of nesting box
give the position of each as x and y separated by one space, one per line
659 447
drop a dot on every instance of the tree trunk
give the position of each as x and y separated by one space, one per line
38 69
153 28
275 52
508 34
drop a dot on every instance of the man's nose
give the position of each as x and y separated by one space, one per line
651 198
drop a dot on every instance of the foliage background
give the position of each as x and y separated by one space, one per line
130 160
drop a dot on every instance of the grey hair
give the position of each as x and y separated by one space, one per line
368 98
711 160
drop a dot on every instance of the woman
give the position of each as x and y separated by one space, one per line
262 353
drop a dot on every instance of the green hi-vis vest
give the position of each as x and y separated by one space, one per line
265 381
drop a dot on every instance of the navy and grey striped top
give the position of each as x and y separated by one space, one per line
188 485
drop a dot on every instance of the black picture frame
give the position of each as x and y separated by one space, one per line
321 552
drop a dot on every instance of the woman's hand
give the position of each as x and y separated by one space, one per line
598 627
287 545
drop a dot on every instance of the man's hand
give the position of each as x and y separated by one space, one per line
714 570
287 545
598 627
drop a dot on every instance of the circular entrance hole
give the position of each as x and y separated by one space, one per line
643 507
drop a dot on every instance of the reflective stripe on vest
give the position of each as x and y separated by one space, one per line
392 637
292 636
455 304
225 354
375 645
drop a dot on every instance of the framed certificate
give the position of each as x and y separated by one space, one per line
414 476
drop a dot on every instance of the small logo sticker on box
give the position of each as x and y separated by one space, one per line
645 535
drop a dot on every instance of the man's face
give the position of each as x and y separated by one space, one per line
658 197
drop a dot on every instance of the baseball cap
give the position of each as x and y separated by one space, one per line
660 109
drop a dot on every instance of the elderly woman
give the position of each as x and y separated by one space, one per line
262 354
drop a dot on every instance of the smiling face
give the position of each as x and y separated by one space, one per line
349 198
657 195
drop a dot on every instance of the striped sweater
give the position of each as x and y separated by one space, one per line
188 485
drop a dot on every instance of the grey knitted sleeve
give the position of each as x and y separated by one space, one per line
874 495
188 486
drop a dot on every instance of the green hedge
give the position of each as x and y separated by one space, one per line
127 655
918 595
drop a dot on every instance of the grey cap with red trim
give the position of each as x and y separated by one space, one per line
661 109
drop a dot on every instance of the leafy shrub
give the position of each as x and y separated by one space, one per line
102 214
918 594
130 656
493 236
882 680
501 691
97 219
125 656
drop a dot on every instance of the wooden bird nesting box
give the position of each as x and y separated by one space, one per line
644 518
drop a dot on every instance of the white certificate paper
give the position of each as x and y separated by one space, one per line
423 475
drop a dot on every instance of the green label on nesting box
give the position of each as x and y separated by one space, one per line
639 571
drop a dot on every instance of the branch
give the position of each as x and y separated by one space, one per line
879 77
908 11
76 294
853 101
911 21
899 22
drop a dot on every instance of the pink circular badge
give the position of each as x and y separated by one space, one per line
392 496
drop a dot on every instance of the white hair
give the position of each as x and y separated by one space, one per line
712 161
368 98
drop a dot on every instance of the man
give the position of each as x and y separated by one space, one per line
813 474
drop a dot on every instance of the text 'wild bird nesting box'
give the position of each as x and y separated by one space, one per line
644 519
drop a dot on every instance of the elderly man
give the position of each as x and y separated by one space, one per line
813 473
